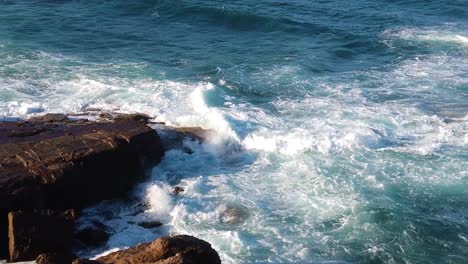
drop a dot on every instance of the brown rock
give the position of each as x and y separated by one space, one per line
168 250
32 233
174 136
138 117
50 118
51 163
194 133
150 224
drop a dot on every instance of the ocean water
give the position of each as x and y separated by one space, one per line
342 126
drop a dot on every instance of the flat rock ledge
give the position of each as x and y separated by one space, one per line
52 166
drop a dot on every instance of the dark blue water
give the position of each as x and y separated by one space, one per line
342 125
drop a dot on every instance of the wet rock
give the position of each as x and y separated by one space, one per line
53 258
138 117
51 164
150 224
175 136
33 233
92 236
177 249
50 118
194 133
178 190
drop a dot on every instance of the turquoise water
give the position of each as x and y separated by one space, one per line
342 126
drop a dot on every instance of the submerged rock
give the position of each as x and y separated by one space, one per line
177 249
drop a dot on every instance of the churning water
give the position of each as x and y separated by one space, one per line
342 125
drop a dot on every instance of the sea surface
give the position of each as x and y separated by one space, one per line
342 126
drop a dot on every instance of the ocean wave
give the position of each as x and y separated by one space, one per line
442 37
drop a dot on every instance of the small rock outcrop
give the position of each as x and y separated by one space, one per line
33 233
166 250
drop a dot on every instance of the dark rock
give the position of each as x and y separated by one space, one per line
92 236
177 249
4 254
84 261
175 136
138 117
150 224
32 233
50 118
194 133
53 258
178 190
72 164
52 162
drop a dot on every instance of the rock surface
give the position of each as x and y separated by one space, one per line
53 162
167 250
175 136
69 164
33 233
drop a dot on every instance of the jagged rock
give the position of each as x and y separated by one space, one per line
92 236
178 190
167 250
33 233
150 224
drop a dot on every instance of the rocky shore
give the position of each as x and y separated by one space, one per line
53 166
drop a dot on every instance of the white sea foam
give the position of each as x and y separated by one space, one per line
277 176
448 34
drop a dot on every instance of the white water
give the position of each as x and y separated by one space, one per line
286 180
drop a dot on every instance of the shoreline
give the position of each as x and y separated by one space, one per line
66 158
